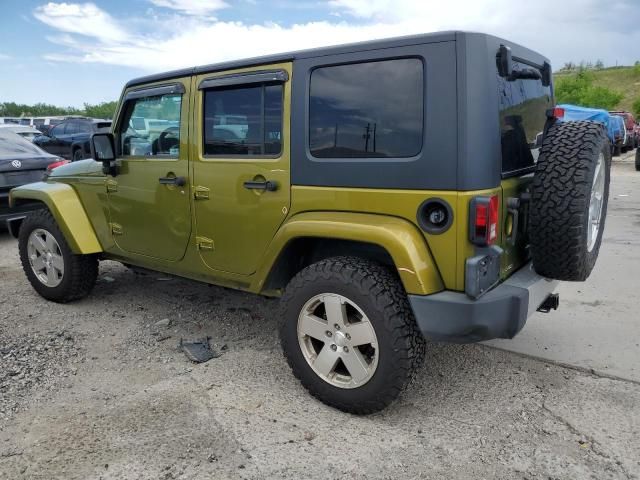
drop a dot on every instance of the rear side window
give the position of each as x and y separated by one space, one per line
367 110
523 106
243 120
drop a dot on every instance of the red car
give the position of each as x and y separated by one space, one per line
633 131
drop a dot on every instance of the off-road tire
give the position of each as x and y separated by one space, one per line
638 160
379 292
560 198
80 271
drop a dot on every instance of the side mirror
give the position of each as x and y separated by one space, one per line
103 150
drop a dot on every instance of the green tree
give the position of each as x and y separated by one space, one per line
636 107
12 109
579 90
101 110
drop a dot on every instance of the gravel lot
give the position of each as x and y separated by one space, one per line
97 389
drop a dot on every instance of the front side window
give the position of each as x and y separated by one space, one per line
243 120
71 128
367 110
58 130
523 107
151 126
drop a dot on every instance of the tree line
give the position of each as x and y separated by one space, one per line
578 87
101 110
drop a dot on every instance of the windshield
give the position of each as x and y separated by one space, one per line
13 146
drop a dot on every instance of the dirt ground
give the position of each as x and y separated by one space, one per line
98 390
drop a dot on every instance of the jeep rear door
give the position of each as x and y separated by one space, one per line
523 103
241 164
149 206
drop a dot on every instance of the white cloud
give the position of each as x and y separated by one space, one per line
192 7
565 30
81 18
4 56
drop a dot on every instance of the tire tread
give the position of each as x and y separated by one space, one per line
390 298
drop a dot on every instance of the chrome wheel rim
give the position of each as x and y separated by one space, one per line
45 257
595 203
338 340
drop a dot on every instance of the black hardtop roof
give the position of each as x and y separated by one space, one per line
435 37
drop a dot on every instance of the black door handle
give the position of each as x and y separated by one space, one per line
177 181
268 185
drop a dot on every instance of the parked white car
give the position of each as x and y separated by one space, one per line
10 120
24 131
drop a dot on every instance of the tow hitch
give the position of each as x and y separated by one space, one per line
550 303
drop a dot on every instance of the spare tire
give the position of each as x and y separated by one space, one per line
569 196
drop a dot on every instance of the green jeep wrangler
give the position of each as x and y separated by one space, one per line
389 191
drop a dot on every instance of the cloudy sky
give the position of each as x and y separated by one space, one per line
67 53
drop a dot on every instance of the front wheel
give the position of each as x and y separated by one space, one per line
53 270
78 154
349 334
638 160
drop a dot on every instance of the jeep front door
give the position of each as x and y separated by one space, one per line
149 203
241 170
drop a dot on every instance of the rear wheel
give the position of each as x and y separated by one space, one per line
78 154
53 270
569 198
349 335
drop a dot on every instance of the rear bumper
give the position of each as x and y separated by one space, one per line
500 313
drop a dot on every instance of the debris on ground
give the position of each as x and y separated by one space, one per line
198 351
164 323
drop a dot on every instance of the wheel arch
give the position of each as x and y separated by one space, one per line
314 236
65 206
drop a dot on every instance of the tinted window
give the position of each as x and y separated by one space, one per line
38 122
159 131
71 128
372 109
84 127
25 121
523 106
57 130
244 120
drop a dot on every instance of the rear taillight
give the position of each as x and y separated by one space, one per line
483 220
56 164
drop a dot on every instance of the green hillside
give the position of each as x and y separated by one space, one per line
622 80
